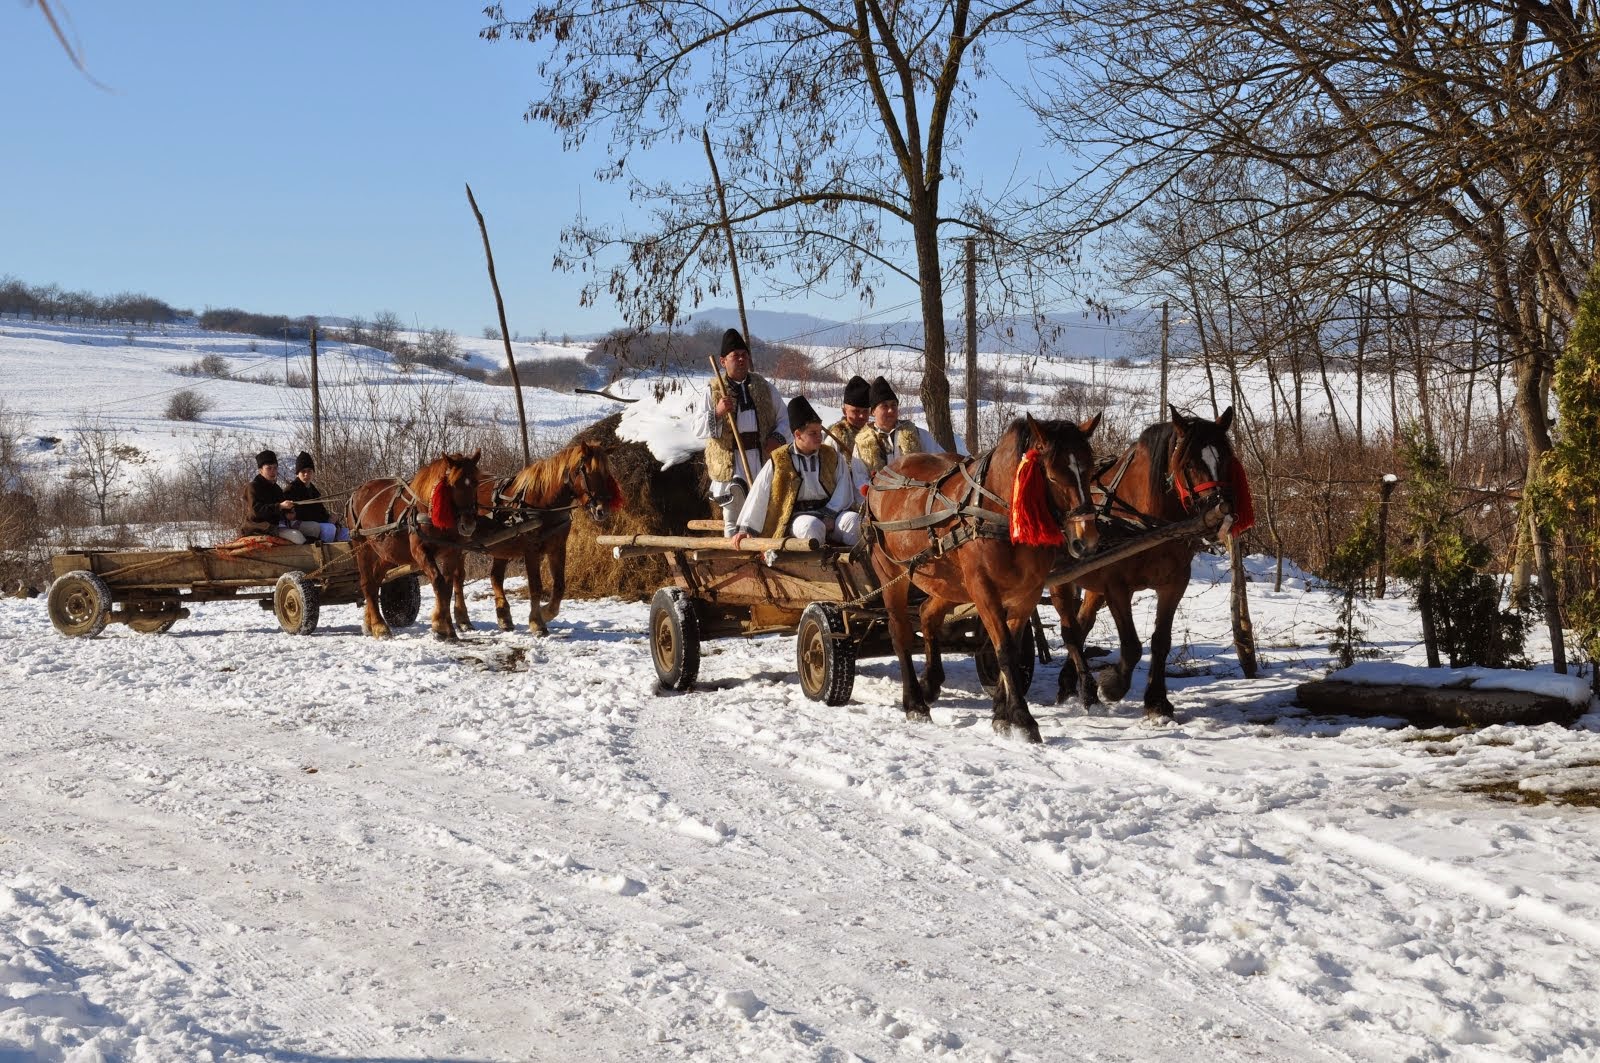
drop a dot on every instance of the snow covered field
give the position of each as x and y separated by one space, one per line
225 842
229 843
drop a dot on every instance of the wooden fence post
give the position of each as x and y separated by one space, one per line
1385 489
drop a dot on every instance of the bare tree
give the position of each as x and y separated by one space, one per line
840 125
98 464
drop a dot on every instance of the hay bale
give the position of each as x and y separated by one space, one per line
658 502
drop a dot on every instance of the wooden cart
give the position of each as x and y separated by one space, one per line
151 591
824 596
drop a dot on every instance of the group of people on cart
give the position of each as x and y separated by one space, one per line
294 513
776 471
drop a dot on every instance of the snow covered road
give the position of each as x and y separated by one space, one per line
225 841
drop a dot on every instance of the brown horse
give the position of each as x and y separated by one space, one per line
422 523
950 527
1178 468
541 499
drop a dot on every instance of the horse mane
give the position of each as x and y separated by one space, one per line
542 481
1156 442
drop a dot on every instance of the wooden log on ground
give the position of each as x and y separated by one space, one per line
1450 706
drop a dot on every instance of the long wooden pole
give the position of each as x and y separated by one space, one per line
505 333
316 402
727 232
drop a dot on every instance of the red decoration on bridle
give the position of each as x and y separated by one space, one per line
1244 509
1031 521
442 508
614 495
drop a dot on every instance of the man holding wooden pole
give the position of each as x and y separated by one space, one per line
742 420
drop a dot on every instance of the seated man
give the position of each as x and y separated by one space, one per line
886 437
803 491
314 523
268 504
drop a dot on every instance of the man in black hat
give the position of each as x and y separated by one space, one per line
763 426
806 490
887 437
268 504
314 522
857 409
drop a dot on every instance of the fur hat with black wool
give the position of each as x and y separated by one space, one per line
302 462
266 457
857 392
732 341
881 392
801 413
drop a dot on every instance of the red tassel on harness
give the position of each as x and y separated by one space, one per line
1031 523
442 510
1244 508
614 500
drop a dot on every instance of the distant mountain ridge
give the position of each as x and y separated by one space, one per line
1132 334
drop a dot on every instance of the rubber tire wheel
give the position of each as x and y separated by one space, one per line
989 666
297 602
674 639
826 663
153 623
399 601
79 604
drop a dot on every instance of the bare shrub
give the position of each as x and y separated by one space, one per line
792 363
211 365
557 374
296 379
187 405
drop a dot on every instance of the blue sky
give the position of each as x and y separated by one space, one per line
295 157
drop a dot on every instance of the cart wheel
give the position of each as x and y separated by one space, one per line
79 604
674 638
153 623
399 601
824 656
989 666
297 602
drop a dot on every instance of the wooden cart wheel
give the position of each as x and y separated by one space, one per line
79 604
153 623
400 600
989 666
824 657
297 602
674 638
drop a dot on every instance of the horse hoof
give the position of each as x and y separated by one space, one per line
1112 686
380 631
1001 727
463 621
505 624
446 636
539 629
1158 718
919 715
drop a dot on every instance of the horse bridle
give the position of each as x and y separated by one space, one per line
1190 493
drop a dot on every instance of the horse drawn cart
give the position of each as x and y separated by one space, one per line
827 597
151 591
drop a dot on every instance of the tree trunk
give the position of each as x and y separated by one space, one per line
935 382
1430 633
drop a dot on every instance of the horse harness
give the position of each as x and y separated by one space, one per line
509 510
973 520
413 520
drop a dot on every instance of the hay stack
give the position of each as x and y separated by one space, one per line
658 502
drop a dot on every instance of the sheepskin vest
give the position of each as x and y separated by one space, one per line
786 486
844 437
721 464
870 448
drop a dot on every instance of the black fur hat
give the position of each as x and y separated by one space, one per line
881 392
857 392
732 341
801 413
266 457
302 462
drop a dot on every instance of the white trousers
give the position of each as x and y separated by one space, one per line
846 530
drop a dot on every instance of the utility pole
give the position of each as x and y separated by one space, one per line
972 345
1166 330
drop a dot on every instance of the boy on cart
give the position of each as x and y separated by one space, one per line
804 490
